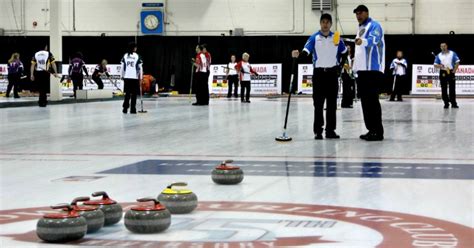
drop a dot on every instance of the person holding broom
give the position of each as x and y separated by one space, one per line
327 50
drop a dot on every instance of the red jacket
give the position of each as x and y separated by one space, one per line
245 70
209 60
200 64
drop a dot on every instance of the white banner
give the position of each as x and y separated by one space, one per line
3 77
305 78
425 80
113 70
267 82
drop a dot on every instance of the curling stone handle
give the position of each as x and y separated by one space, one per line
80 199
228 161
104 195
147 199
62 206
179 184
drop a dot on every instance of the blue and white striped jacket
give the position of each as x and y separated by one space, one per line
370 55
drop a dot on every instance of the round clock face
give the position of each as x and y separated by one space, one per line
151 22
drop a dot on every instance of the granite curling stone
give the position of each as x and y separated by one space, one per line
61 227
227 174
148 218
94 217
112 210
178 201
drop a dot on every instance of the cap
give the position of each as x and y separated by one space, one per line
361 8
326 16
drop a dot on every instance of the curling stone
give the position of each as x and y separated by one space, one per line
178 201
148 219
61 227
94 217
227 174
112 210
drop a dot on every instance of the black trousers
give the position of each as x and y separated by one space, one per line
201 87
77 82
131 89
233 80
99 82
245 87
13 82
448 81
348 90
325 89
42 79
369 84
397 89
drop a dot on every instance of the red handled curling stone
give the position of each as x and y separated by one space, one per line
227 174
178 201
94 217
61 227
112 210
148 218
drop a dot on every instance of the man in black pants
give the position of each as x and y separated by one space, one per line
132 74
448 62
399 68
369 65
201 76
40 65
327 51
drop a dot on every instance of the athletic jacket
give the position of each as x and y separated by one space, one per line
370 55
77 66
209 60
449 59
202 63
42 60
15 67
132 66
399 67
245 70
99 69
325 53
231 69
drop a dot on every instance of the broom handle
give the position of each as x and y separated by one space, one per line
114 83
141 93
191 84
289 93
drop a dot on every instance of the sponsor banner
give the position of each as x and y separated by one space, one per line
67 87
88 84
267 82
425 80
305 78
3 77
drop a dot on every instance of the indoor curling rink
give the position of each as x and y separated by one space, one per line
414 189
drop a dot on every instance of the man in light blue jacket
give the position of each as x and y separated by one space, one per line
369 66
